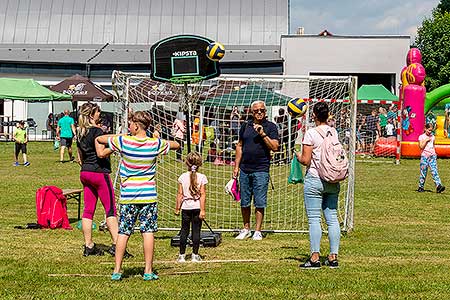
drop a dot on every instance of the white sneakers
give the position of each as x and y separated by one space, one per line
257 236
245 233
181 258
195 258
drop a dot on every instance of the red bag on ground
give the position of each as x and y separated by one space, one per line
51 208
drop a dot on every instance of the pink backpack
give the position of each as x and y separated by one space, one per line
333 165
51 208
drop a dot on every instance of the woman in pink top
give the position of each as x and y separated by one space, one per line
428 159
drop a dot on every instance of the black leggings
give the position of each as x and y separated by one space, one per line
189 217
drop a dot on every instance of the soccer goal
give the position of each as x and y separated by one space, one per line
212 111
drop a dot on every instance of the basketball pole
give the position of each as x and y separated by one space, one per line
187 115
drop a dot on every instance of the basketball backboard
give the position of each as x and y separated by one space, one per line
182 57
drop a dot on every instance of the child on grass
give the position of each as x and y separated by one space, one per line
428 159
21 139
138 197
191 198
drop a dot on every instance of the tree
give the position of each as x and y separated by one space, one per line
444 6
433 40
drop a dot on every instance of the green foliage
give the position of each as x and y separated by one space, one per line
399 249
444 6
433 40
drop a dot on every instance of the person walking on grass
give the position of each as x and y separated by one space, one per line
257 138
20 138
319 195
191 199
428 159
94 176
65 132
138 197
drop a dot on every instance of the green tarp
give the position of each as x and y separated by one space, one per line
246 95
375 92
28 90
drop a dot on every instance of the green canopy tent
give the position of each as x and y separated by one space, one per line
27 90
243 95
375 92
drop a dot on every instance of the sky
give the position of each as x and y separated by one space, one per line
363 17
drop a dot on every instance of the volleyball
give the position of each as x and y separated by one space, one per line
215 51
297 107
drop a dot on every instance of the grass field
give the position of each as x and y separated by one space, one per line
398 250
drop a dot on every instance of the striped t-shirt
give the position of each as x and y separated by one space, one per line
138 167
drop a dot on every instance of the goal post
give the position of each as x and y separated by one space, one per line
217 108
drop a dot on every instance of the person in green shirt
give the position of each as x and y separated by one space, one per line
65 133
21 139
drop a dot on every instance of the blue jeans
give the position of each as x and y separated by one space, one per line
322 196
256 184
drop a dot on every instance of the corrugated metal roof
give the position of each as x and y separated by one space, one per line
141 22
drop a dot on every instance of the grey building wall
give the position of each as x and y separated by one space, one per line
304 54
141 22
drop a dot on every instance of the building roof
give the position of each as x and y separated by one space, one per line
120 54
131 22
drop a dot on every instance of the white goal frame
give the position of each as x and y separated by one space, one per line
122 82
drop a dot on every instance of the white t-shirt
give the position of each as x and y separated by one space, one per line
389 129
313 138
188 202
429 147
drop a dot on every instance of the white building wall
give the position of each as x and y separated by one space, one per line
316 54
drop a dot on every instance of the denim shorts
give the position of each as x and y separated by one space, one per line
256 184
148 218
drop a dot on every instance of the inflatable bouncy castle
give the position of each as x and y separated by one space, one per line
416 103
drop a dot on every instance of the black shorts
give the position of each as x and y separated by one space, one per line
66 142
21 147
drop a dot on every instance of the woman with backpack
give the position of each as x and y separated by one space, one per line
319 195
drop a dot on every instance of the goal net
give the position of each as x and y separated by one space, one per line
212 112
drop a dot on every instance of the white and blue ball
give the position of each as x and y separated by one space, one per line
297 107
215 51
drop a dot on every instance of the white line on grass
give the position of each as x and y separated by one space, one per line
101 275
175 262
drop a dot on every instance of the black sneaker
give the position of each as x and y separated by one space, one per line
312 265
333 264
440 188
420 190
112 251
92 251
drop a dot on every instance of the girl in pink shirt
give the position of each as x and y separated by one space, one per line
191 199
428 158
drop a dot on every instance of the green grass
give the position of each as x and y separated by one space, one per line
398 250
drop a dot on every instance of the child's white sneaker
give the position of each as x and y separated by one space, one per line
257 236
181 258
243 234
196 258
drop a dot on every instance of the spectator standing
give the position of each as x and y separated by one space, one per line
20 138
235 118
257 138
178 132
320 196
65 133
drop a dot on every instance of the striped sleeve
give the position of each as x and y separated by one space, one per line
115 143
164 147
